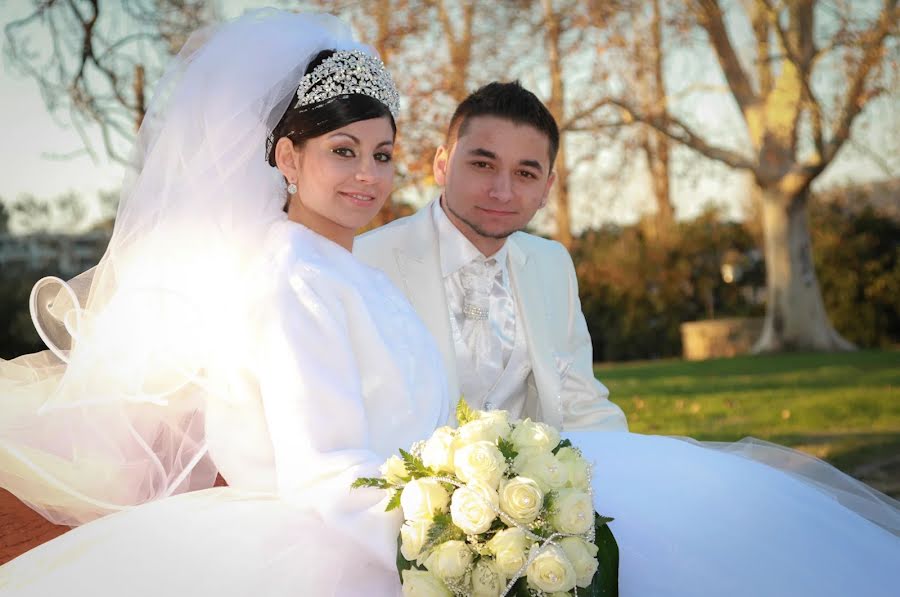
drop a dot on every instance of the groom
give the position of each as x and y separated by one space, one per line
502 304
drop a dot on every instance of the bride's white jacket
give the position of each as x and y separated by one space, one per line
562 389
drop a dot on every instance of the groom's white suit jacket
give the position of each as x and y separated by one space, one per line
562 389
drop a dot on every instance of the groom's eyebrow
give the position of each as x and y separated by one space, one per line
532 164
483 153
486 153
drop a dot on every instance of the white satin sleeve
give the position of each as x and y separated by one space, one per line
312 395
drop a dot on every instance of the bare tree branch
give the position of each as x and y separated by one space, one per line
87 70
572 122
876 157
712 21
803 63
678 130
857 97
761 21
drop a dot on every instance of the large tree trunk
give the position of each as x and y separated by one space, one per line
556 104
795 313
657 144
561 196
658 160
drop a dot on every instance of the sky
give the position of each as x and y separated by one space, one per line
32 141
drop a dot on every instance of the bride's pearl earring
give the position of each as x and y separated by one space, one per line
292 188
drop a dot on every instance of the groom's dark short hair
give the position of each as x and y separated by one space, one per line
505 100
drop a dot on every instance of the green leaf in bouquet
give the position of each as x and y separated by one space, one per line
520 589
507 448
376 482
414 466
464 414
549 504
563 444
394 502
606 580
442 529
600 519
496 526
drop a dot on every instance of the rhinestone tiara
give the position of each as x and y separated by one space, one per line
349 72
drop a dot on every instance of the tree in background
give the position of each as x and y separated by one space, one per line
4 217
654 144
100 58
30 216
63 213
857 256
815 68
637 293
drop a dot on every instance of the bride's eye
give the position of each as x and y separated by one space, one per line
382 156
344 152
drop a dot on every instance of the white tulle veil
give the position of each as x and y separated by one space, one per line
114 416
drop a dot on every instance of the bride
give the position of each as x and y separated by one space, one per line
228 328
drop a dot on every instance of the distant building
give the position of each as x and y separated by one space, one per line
63 254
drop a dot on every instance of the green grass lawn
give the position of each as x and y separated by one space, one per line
843 408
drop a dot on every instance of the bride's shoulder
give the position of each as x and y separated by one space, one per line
296 253
292 247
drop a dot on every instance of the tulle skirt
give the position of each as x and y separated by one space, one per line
702 522
690 521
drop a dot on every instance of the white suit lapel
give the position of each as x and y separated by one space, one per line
529 294
419 263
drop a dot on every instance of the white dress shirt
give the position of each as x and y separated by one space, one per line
485 348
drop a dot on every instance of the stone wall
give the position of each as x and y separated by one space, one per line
719 338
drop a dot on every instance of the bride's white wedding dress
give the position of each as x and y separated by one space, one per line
344 375
696 521
339 373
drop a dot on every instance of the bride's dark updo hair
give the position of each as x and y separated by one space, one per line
314 120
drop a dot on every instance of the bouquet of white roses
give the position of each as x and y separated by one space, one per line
498 507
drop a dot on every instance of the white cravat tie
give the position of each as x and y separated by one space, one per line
478 279
487 326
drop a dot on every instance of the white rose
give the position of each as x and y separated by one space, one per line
583 557
577 468
529 434
496 417
573 512
542 466
419 583
509 547
489 426
437 453
487 580
422 497
521 498
449 559
479 461
413 535
473 507
550 572
393 469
